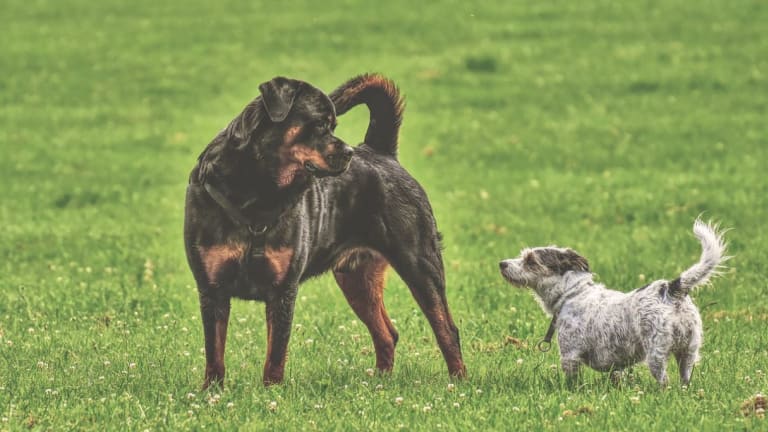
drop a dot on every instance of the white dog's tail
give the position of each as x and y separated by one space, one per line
711 261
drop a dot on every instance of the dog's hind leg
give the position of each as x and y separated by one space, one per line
421 268
361 276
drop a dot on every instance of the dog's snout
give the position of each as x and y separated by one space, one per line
346 154
503 265
341 157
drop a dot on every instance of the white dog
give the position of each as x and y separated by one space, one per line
611 330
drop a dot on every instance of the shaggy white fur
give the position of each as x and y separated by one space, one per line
610 330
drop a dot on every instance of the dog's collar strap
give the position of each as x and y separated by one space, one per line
233 212
545 344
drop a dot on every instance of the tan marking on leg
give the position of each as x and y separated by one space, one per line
362 282
279 261
214 257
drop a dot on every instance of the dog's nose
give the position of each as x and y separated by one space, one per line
346 154
340 158
503 265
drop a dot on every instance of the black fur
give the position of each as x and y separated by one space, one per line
558 261
368 203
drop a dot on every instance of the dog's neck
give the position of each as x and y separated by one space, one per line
555 291
247 179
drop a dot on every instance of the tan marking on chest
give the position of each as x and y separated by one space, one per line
279 261
215 257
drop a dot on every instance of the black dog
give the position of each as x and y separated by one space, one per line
276 198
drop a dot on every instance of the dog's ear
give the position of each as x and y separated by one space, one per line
278 95
530 259
575 262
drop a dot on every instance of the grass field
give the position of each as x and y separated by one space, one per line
605 126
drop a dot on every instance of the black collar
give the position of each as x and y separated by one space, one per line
545 344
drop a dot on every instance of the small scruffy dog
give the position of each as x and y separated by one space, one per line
611 330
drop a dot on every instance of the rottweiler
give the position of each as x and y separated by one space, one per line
276 198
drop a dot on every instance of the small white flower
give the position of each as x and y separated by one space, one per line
519 361
478 391
451 387
191 396
398 400
272 406
426 409
42 365
230 405
131 365
456 405
369 372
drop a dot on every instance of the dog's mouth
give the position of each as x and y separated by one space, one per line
332 170
509 275
310 167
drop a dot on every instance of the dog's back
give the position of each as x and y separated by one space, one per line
712 257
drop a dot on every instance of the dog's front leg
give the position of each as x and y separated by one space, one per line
571 367
279 310
657 363
215 314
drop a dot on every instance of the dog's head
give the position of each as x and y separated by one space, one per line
536 267
291 127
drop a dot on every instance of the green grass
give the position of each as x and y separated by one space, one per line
605 126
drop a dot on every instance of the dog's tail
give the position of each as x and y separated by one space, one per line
711 262
384 103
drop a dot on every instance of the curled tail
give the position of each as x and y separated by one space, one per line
712 257
384 103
